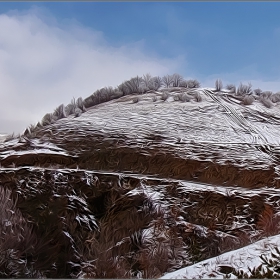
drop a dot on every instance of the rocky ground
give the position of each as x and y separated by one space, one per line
136 188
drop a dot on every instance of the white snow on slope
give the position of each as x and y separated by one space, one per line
240 259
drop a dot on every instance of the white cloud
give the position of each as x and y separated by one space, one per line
44 63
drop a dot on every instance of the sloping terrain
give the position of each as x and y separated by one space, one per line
136 188
247 262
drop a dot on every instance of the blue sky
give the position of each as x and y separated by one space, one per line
51 52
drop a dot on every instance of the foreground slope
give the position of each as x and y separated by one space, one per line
141 187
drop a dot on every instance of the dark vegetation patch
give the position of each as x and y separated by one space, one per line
68 224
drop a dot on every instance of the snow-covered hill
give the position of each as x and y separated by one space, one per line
141 185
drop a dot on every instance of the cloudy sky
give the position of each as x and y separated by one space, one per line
51 52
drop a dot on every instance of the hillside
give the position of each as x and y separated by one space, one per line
140 185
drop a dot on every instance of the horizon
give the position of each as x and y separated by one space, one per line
55 51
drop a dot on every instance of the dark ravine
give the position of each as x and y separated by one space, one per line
137 190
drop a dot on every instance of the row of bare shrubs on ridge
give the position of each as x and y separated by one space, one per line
248 95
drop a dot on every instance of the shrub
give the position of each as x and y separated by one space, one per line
275 97
146 80
80 104
183 97
257 91
157 82
197 97
266 102
38 125
218 85
192 84
266 94
183 83
131 86
104 95
244 89
176 79
29 130
231 88
60 112
70 109
48 119
164 96
150 83
248 100
78 112
167 81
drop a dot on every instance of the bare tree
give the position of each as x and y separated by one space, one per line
183 83
157 82
131 86
176 79
147 80
193 84
218 85
167 81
